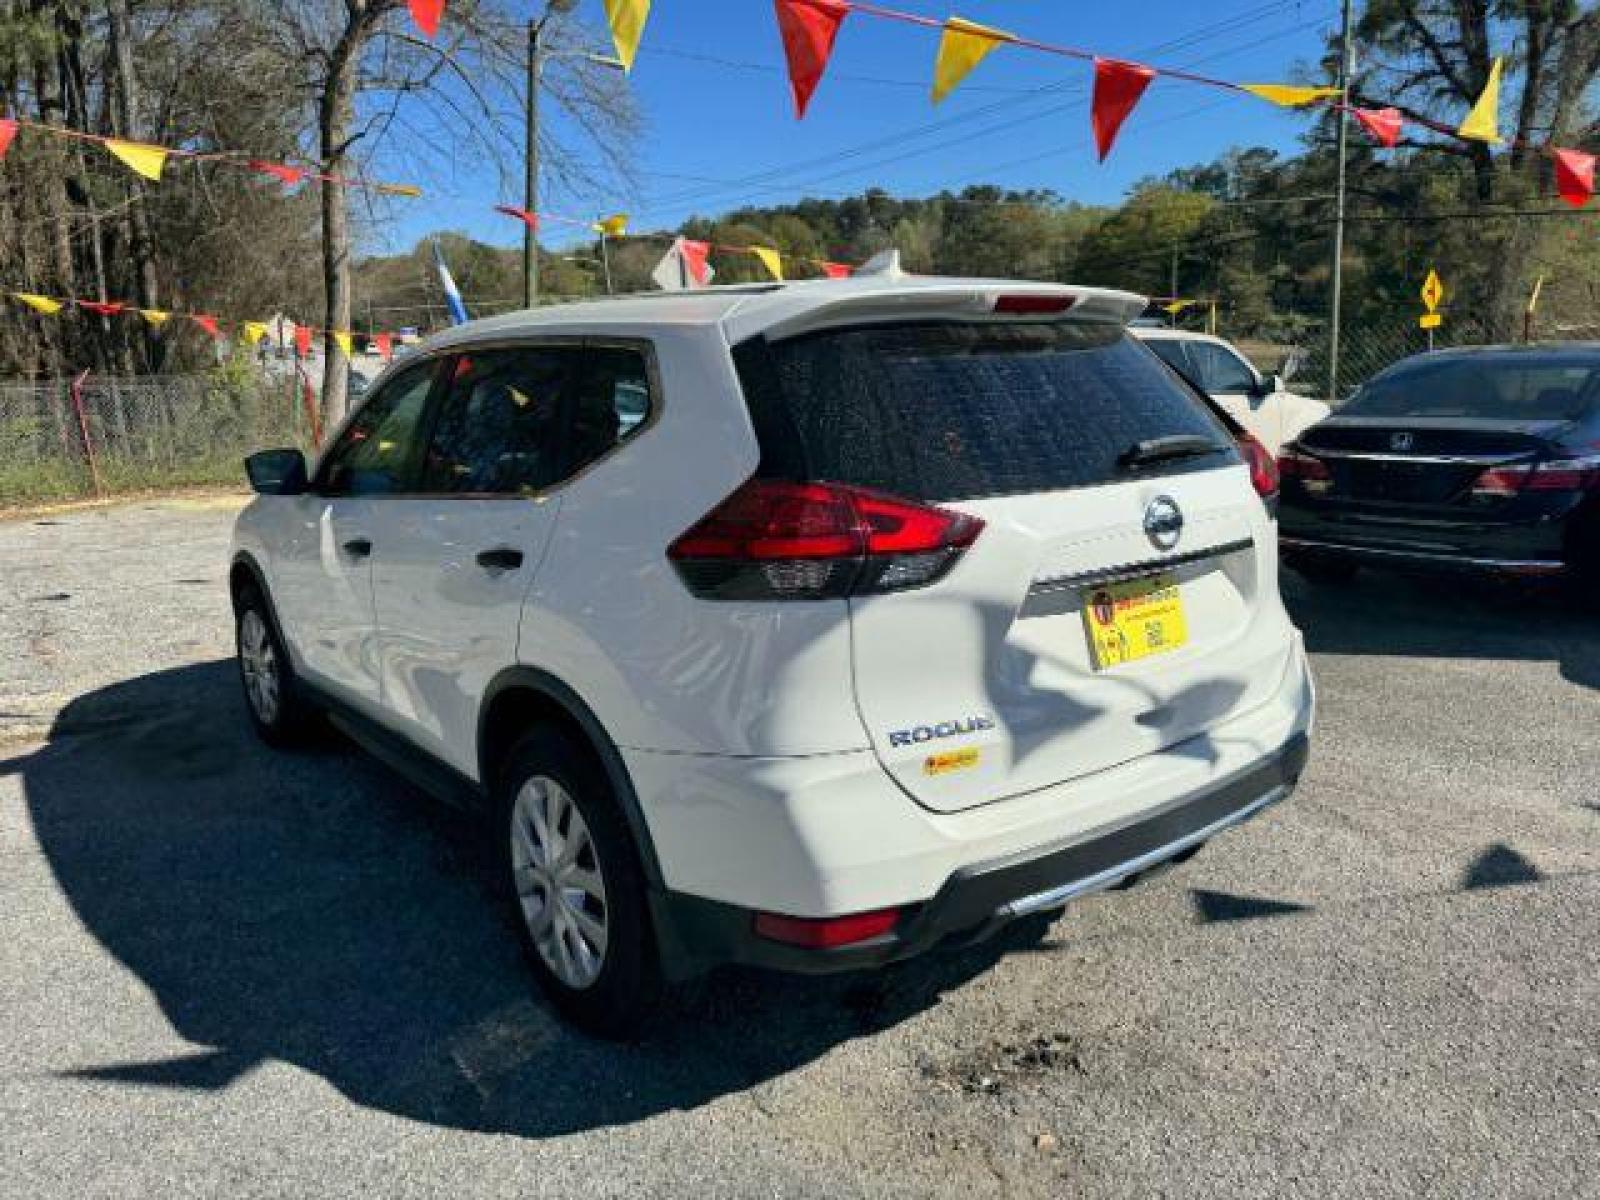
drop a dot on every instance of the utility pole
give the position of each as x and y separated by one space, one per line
530 191
1346 69
1172 287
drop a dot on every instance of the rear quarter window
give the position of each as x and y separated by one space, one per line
964 410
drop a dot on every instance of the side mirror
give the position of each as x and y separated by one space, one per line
1270 385
279 472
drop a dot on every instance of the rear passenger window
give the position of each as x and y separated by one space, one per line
613 402
1222 373
499 427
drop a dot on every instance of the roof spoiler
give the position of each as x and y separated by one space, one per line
974 300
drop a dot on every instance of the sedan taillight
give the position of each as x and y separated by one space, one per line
775 539
1552 475
1310 472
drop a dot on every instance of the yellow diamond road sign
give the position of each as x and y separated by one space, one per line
1433 291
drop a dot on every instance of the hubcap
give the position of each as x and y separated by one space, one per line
559 882
259 665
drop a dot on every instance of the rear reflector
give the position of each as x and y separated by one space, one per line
775 539
1263 467
826 933
1019 304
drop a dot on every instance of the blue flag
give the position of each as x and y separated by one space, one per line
452 294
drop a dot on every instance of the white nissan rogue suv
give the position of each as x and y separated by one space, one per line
805 626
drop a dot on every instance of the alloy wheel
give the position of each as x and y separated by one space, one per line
258 662
560 886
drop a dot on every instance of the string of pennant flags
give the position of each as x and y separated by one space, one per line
808 30
253 333
150 161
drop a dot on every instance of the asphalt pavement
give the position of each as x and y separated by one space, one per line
225 970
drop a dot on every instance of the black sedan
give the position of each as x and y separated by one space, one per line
1484 460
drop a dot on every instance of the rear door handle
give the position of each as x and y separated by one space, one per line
501 558
358 547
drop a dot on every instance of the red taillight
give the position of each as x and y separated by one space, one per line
1021 304
825 933
1553 475
1311 473
1263 467
775 539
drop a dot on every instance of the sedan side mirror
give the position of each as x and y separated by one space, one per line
1269 386
279 472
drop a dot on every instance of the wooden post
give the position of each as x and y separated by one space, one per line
83 428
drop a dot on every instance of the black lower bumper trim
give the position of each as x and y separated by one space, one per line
696 933
1385 556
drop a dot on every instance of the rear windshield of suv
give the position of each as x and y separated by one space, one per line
1516 387
959 411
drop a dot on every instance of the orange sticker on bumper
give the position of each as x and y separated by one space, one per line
951 760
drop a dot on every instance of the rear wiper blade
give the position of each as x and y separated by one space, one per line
1166 449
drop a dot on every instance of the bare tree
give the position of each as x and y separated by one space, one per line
1436 55
369 74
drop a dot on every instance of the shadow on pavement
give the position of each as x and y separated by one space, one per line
312 908
1384 613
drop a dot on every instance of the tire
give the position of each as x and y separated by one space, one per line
1327 572
594 952
279 715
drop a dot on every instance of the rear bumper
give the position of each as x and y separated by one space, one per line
833 834
1422 560
980 898
1532 544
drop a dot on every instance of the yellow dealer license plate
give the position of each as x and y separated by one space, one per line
1133 620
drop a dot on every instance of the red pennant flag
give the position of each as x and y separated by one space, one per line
101 310
427 14
284 174
696 256
209 324
385 344
302 341
1382 123
809 28
1117 88
8 131
530 219
1574 176
835 270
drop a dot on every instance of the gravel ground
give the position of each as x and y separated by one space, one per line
227 970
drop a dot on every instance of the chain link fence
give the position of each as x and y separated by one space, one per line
64 439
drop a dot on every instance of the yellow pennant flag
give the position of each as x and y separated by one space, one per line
42 304
962 46
1483 122
344 341
612 226
155 316
139 158
1287 95
255 332
409 190
770 259
627 18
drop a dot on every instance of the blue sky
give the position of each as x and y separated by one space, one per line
710 85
